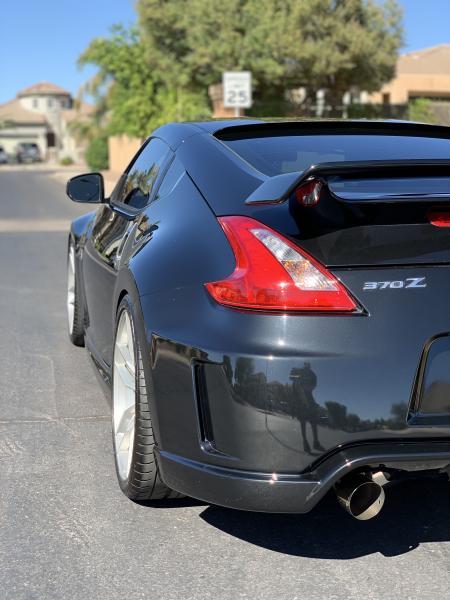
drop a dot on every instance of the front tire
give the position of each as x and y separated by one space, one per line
74 306
133 438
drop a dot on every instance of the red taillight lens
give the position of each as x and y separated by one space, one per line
440 219
273 274
308 194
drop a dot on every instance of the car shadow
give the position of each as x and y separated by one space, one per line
184 502
415 512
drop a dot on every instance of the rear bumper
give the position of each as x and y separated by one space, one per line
240 396
294 493
274 393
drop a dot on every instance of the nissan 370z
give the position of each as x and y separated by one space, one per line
268 303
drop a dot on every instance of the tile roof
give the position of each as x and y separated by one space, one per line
14 112
43 87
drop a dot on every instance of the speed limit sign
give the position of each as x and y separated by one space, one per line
237 89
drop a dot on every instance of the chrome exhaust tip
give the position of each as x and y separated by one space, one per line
362 495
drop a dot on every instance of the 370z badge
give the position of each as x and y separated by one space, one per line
410 282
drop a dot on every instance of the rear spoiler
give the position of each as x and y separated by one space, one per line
277 189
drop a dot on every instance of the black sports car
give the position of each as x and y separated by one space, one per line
269 303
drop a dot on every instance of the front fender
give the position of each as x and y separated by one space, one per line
79 228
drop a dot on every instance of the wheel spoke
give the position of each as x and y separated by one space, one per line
124 394
125 375
126 356
126 429
71 287
130 344
72 259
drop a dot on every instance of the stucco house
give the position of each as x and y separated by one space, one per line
419 74
42 113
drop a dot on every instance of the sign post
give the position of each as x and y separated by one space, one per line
237 90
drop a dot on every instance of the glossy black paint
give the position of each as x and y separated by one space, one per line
337 172
288 383
293 493
266 411
87 188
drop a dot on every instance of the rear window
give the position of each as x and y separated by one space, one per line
274 155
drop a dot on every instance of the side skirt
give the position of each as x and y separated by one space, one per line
101 369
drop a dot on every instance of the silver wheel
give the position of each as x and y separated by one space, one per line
124 395
71 287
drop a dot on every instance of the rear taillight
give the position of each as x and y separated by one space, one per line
273 274
308 194
440 219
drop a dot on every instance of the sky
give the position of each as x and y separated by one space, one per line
40 40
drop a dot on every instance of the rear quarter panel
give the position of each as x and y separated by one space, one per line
178 242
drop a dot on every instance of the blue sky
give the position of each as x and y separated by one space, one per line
42 39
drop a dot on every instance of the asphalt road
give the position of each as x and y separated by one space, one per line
67 531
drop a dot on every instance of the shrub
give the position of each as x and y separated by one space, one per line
96 154
421 110
66 161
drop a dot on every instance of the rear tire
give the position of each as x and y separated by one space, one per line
74 306
133 437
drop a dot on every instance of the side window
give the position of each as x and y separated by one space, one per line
173 175
144 174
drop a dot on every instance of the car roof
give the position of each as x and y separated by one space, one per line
225 179
176 133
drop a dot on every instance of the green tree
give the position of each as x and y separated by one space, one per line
346 43
96 154
332 44
127 90
160 71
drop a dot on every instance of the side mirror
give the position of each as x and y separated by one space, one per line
88 188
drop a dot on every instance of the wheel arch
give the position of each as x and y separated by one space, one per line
120 297
127 284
